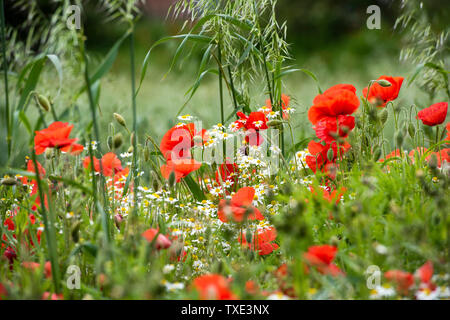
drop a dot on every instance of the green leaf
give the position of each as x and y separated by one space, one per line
190 37
195 189
307 72
72 183
57 63
31 82
105 65
195 86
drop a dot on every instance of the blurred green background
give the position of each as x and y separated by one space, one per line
329 38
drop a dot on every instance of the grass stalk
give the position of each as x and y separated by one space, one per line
5 74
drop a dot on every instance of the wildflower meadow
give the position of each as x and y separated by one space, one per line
260 191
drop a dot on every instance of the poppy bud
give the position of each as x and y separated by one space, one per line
399 138
120 119
344 129
411 130
117 141
43 102
274 123
155 181
383 116
9 181
130 149
330 154
384 83
49 153
334 241
432 163
146 154
109 142
74 232
172 179
248 236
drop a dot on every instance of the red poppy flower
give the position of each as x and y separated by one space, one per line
321 257
213 287
239 207
441 156
379 96
338 100
326 129
285 99
227 171
434 114
52 296
404 280
333 196
447 126
162 242
33 183
181 167
318 160
425 272
263 241
178 141
3 291
56 136
30 168
35 266
110 164
395 153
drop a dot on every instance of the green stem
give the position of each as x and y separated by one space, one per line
233 92
133 102
5 73
222 116
48 227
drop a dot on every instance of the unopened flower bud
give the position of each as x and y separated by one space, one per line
130 149
120 119
432 163
172 179
330 154
384 83
344 129
384 116
274 123
132 138
411 130
399 138
9 181
248 236
155 181
117 141
43 102
49 153
146 154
